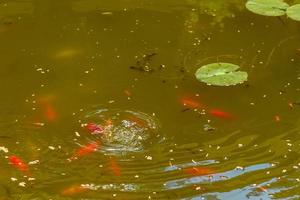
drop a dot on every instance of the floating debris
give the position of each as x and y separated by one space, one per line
208 127
144 64
22 184
4 149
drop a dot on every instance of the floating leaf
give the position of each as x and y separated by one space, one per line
293 12
267 7
221 74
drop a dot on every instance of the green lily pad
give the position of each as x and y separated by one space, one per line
221 74
293 12
267 7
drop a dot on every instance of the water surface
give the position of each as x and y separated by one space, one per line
127 65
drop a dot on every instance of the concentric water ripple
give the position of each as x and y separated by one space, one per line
124 130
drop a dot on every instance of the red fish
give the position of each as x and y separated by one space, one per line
94 128
190 103
73 190
18 163
50 113
198 171
86 150
220 114
46 102
115 168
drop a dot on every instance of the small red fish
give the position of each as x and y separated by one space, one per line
115 168
50 113
198 171
95 128
18 163
46 103
190 103
220 114
86 150
73 190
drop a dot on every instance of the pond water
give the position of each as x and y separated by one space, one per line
99 101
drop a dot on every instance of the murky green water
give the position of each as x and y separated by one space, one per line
93 92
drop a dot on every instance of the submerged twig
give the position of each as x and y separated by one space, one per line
277 46
186 109
143 65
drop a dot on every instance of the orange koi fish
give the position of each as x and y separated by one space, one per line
220 114
48 110
50 113
198 171
86 150
190 103
115 168
73 190
95 128
18 163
